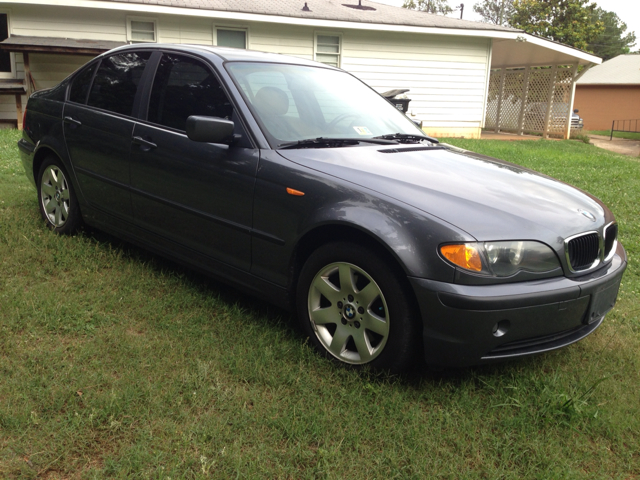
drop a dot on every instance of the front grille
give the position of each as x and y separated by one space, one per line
610 236
583 251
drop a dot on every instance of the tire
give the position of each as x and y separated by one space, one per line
57 198
352 305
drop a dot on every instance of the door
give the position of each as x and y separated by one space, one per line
196 194
98 125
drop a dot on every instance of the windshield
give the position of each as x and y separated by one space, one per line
296 102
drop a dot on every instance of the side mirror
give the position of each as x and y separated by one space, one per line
209 129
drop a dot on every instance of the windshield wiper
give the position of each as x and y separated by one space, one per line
328 142
407 138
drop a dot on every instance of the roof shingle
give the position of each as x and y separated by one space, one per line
620 70
329 10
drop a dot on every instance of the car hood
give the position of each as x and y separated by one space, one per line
488 198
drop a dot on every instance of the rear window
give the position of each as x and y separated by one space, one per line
81 84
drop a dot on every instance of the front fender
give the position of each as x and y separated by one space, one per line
282 221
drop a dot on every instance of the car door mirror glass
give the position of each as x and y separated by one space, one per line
209 129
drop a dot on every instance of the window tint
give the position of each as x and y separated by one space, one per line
80 86
116 82
183 87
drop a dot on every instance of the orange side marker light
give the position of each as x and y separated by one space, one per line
292 191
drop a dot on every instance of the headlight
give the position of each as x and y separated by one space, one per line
502 259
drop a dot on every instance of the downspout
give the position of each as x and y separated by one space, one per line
486 86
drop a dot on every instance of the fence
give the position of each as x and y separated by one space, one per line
633 126
531 100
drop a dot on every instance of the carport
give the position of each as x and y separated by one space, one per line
532 85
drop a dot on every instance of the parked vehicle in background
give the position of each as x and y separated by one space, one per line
296 182
535 116
577 123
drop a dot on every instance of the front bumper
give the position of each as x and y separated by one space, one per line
468 325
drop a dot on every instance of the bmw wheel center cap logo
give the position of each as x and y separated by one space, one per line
589 215
349 312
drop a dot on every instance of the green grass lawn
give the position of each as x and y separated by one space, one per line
628 135
115 363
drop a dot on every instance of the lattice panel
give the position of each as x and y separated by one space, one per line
560 113
493 94
535 111
537 87
512 95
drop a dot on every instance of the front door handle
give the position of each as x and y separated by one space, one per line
72 122
145 145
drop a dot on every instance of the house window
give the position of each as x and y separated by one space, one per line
5 57
231 37
141 30
328 49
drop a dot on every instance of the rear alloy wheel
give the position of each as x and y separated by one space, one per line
58 203
352 306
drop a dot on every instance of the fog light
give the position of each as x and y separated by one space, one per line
500 328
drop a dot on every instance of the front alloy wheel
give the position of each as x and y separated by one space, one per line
355 307
349 313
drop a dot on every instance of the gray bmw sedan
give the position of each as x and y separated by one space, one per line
296 182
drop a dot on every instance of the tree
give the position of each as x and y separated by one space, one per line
571 22
429 6
495 11
612 42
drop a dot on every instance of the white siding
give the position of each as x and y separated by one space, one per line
48 70
288 40
45 21
196 31
446 75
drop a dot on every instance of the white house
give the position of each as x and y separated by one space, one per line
446 63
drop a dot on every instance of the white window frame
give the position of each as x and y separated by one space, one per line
13 73
132 40
328 34
236 29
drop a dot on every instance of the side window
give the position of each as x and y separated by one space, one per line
116 82
182 87
80 86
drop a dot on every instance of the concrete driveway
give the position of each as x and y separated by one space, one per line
618 145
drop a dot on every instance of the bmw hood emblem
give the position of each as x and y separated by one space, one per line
589 215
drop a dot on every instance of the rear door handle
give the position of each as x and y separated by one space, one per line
145 145
72 121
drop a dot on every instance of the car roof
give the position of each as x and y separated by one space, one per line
225 53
